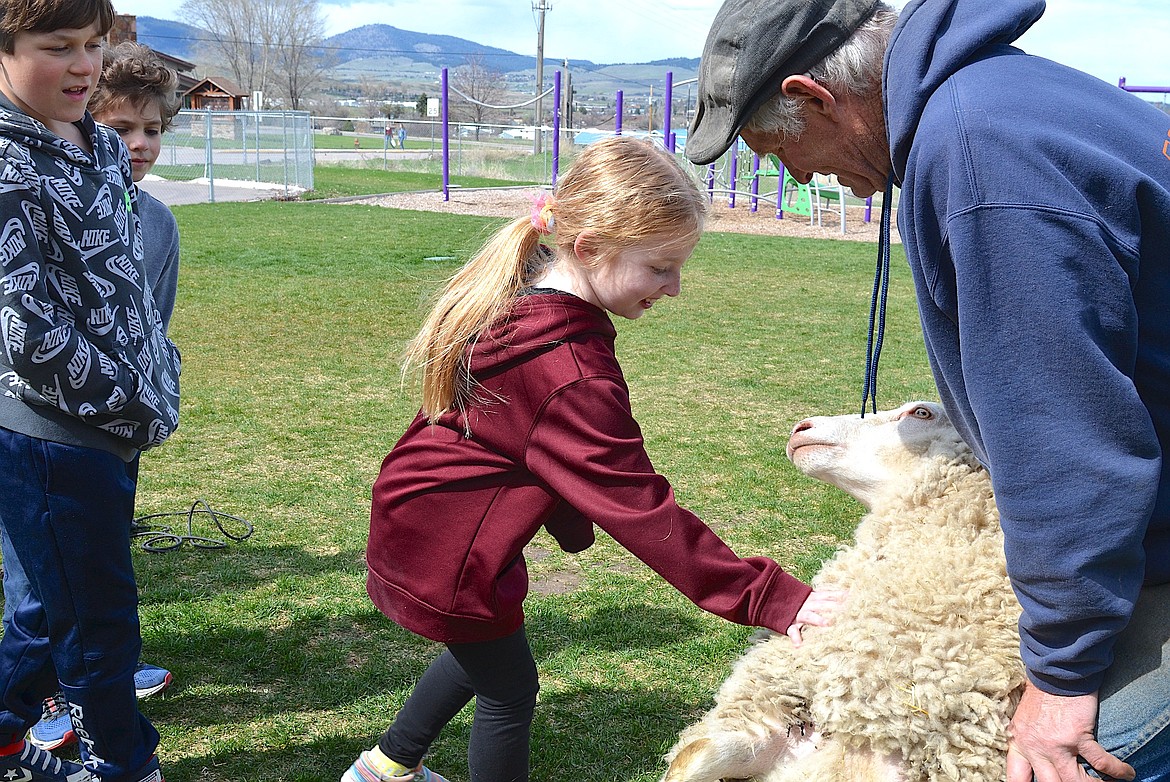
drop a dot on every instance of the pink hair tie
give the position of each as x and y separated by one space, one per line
542 215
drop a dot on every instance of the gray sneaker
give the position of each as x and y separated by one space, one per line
33 764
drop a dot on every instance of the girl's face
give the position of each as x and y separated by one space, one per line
140 127
630 281
50 76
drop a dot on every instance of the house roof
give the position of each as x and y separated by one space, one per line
217 85
179 64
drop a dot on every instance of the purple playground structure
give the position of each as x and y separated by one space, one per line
728 185
737 174
1121 83
723 178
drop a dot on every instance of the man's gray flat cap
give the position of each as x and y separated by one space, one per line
752 47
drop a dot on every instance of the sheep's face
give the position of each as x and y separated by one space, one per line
865 457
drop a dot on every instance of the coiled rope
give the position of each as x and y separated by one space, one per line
160 538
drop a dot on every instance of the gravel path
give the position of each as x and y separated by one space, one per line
513 202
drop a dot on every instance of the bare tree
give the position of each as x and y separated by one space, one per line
265 44
231 28
300 61
483 89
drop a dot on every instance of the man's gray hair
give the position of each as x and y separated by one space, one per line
855 67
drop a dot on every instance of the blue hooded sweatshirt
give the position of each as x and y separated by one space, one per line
1035 213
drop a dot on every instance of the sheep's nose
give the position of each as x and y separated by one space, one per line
802 426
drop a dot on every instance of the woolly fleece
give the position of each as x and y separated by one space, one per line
919 675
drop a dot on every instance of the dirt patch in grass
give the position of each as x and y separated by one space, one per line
561 581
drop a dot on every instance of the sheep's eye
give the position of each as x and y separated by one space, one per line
922 412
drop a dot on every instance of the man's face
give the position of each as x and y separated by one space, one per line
846 142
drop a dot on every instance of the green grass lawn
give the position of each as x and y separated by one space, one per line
290 332
368 141
341 181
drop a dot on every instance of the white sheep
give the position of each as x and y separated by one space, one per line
919 675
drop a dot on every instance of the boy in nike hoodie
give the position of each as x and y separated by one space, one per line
88 380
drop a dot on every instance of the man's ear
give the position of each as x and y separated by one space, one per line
815 96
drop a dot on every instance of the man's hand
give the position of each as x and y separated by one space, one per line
1049 732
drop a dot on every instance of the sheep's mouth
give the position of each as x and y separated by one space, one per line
796 444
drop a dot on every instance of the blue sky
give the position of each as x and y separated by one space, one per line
1129 38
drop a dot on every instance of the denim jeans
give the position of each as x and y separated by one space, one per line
16 584
65 512
15 581
1134 710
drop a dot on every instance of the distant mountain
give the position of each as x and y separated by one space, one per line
443 51
377 41
690 63
173 38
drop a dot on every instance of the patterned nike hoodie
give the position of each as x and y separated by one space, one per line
84 359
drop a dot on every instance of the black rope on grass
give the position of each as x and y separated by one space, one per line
160 538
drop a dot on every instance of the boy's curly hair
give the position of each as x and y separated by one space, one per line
133 72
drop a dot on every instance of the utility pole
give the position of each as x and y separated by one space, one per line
539 6
650 112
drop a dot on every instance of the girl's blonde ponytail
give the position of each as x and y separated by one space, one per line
622 192
474 298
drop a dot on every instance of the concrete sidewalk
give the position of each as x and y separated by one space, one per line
177 193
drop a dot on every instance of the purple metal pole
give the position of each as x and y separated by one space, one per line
779 190
556 125
666 111
673 141
711 184
617 118
734 175
446 144
1121 83
755 183
868 209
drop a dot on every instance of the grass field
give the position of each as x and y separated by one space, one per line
340 181
290 332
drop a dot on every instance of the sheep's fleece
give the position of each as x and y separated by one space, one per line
919 675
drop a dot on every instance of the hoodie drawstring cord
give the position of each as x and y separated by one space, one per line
877 303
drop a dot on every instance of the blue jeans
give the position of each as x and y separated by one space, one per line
15 581
65 513
1134 710
16 585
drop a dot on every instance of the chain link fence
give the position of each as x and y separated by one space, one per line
494 151
270 152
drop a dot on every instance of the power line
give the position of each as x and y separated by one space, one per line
539 7
577 62
578 65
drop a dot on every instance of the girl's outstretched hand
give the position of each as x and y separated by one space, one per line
819 610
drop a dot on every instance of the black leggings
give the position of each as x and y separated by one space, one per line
501 674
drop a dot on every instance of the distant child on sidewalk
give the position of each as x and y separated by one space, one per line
136 97
88 379
526 423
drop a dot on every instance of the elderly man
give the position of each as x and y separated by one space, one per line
1035 214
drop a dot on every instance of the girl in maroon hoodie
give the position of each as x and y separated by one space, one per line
526 423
